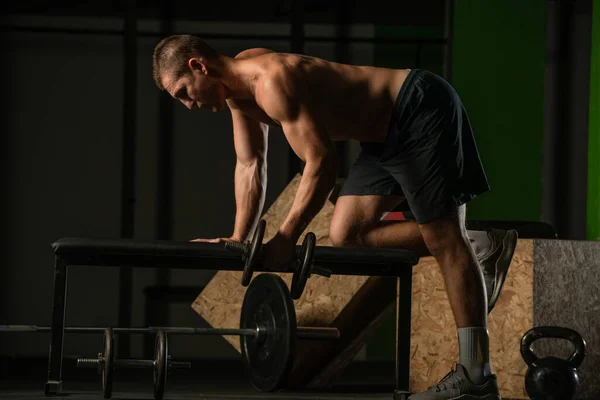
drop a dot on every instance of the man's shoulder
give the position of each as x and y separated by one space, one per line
280 89
254 52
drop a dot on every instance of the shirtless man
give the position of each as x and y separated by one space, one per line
417 148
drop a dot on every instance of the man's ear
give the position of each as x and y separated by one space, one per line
198 63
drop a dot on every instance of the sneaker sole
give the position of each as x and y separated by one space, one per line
509 244
489 396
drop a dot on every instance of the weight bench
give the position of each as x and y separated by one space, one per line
214 256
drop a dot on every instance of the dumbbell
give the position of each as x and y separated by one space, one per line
250 251
106 363
303 265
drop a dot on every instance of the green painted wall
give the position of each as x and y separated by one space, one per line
498 71
498 56
593 209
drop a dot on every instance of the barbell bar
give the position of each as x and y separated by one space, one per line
308 333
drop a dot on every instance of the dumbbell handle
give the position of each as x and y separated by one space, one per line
130 363
316 270
302 332
237 247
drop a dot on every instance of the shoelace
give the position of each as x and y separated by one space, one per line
442 385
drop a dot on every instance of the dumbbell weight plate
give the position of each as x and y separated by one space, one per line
253 255
268 357
108 364
160 364
303 265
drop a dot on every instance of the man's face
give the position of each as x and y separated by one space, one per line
195 89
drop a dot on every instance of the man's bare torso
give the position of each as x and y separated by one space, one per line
352 102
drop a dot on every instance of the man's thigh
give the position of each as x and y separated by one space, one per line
369 192
353 215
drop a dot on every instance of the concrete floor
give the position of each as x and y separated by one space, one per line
24 380
206 380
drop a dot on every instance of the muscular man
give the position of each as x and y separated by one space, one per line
417 149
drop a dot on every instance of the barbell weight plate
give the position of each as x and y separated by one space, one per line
253 256
160 364
109 361
303 265
268 357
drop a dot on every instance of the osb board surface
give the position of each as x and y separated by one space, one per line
323 298
567 294
434 343
322 362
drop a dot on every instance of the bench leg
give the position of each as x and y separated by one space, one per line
403 320
54 383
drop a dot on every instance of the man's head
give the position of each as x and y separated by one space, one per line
183 66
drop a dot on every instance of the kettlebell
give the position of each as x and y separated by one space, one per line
552 378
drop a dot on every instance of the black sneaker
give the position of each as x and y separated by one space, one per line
495 261
456 385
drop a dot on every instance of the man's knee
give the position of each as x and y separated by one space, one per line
445 244
447 236
343 235
354 217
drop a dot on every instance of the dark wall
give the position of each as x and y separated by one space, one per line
64 144
567 99
377 12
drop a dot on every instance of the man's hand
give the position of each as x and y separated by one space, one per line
278 253
217 240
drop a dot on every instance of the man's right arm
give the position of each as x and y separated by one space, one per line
250 141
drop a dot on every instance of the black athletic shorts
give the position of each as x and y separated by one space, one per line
429 155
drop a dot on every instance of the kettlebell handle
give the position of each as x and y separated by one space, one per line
540 332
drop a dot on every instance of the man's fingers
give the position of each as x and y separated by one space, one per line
206 240
216 240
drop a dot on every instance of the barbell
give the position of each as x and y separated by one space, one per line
303 332
267 331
